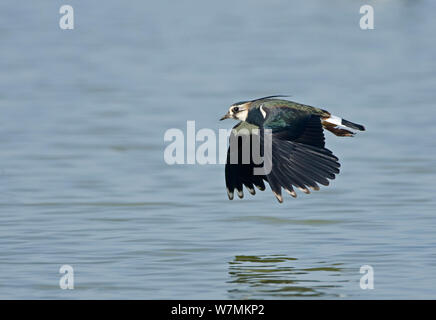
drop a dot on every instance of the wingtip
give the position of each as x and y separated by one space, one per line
314 188
261 188
305 190
240 194
230 194
278 197
292 193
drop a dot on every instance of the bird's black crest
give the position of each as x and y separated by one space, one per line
239 103
268 97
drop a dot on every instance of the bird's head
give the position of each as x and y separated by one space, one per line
238 111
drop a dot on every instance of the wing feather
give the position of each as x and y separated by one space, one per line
299 158
239 174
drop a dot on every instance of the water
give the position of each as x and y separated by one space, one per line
82 176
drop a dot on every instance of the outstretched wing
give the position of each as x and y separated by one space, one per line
237 172
300 165
298 157
292 124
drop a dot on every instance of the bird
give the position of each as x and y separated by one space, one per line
299 158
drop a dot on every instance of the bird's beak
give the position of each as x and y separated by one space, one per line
226 116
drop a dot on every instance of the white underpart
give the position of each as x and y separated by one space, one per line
263 111
337 122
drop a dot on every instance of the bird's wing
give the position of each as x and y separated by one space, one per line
299 157
297 164
238 173
294 124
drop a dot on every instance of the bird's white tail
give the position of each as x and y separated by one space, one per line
341 127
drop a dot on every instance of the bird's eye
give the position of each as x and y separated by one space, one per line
235 109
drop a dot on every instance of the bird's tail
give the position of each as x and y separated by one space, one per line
341 127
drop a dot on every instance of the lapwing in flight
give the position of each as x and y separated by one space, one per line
298 157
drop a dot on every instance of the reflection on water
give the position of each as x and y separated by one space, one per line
275 276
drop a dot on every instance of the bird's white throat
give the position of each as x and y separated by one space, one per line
242 115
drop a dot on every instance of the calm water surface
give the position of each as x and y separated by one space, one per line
82 176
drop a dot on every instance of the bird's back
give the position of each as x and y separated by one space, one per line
286 104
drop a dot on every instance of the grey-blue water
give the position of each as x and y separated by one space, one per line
83 181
